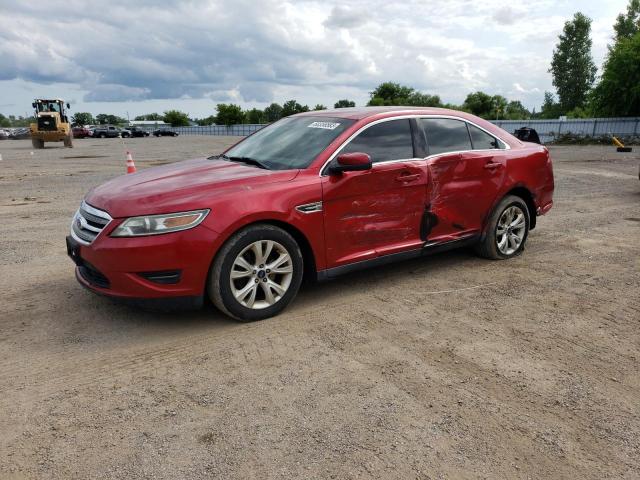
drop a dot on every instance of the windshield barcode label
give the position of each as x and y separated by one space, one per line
325 125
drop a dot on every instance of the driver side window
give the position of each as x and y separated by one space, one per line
385 141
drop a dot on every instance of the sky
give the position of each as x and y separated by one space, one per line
136 57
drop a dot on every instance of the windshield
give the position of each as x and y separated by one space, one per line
290 143
48 107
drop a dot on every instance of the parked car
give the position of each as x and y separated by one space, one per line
138 132
20 133
164 132
317 194
4 134
109 131
81 132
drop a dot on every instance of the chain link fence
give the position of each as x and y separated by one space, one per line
232 130
626 129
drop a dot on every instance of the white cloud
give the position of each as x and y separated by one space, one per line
257 51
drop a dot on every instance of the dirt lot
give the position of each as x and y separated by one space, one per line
448 367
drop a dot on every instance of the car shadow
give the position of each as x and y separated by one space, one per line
102 313
379 278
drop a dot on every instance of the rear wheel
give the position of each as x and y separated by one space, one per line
256 274
37 143
102 135
507 230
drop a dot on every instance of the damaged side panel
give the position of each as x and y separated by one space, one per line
375 212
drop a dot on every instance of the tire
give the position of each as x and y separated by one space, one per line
37 143
102 135
227 294
494 245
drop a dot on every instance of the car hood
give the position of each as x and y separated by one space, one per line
188 185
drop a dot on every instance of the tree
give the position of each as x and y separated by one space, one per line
628 25
13 121
176 118
486 106
417 99
499 104
572 66
273 112
516 111
152 117
292 107
229 114
106 119
210 120
344 104
254 116
319 107
480 104
82 118
390 93
550 108
618 93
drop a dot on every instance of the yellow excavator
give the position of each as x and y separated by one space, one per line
52 124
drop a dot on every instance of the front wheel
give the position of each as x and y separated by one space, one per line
507 230
256 274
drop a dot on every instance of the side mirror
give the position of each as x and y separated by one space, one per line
33 104
68 106
351 162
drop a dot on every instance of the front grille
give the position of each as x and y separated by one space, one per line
88 222
46 122
93 276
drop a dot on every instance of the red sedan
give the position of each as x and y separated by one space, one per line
81 132
317 194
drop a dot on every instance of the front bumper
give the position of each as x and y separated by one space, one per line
171 266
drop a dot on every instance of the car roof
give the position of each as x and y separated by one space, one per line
358 113
361 113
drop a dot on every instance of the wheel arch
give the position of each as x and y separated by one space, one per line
525 194
308 257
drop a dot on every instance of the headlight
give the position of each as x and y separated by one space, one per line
158 224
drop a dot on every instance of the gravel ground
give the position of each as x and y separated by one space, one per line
447 367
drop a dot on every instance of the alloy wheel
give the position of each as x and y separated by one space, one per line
261 274
511 229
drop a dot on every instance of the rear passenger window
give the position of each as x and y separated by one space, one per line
482 140
385 141
445 135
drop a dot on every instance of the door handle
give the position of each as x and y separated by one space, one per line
492 165
407 177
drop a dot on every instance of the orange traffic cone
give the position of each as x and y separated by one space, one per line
131 167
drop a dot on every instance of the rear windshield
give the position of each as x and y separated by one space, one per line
291 143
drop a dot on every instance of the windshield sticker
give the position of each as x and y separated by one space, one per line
324 125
